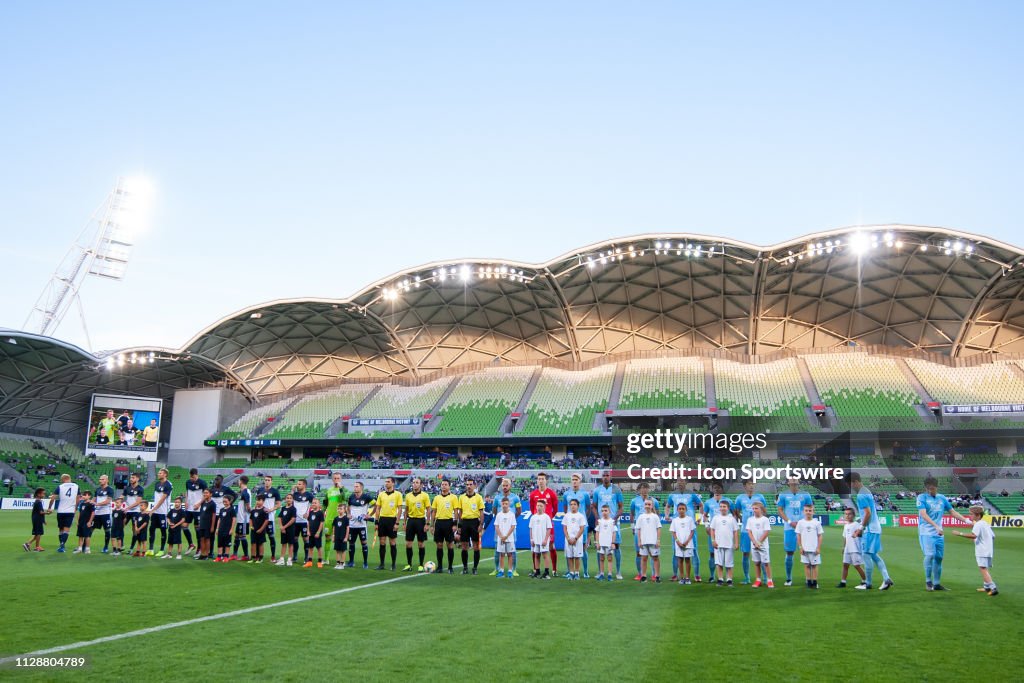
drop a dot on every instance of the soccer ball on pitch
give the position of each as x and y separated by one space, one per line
429 566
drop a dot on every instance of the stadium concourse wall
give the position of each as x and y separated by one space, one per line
199 413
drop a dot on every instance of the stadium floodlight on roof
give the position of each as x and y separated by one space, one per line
102 249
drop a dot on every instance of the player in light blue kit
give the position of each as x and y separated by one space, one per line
611 495
931 506
636 508
744 510
791 509
871 534
583 498
693 506
515 506
711 508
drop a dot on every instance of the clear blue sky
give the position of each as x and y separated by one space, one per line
308 150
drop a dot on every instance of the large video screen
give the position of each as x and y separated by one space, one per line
125 427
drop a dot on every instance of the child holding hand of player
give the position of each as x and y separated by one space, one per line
725 537
505 538
541 533
758 529
852 556
809 534
984 548
606 533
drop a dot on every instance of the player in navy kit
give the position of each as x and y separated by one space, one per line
301 498
103 499
243 508
133 505
194 488
158 514
360 506
271 503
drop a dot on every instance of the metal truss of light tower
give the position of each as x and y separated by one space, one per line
102 249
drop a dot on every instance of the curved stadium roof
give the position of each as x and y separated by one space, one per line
927 289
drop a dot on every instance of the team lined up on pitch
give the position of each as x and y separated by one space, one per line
229 524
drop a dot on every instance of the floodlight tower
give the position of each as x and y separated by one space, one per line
102 250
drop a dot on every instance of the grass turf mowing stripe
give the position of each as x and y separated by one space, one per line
214 617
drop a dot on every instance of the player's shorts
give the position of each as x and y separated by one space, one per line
469 530
387 527
723 557
506 547
605 550
745 543
444 531
810 558
65 520
871 543
101 522
984 562
855 559
591 523
416 529
789 539
933 545
191 516
241 528
540 548
574 550
38 528
174 536
683 552
316 541
650 550
760 555
354 532
301 531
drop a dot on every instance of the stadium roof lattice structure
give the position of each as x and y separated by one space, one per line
930 290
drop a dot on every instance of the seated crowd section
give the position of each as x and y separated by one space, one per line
864 392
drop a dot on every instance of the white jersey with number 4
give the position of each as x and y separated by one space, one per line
67 498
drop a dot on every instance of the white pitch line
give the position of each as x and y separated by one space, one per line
211 617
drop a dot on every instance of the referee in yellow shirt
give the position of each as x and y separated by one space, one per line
386 517
415 515
441 515
471 524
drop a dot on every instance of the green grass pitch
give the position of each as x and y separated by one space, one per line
480 628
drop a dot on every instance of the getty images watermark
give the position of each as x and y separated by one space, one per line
734 443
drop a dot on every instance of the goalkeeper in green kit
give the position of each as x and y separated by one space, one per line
334 497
